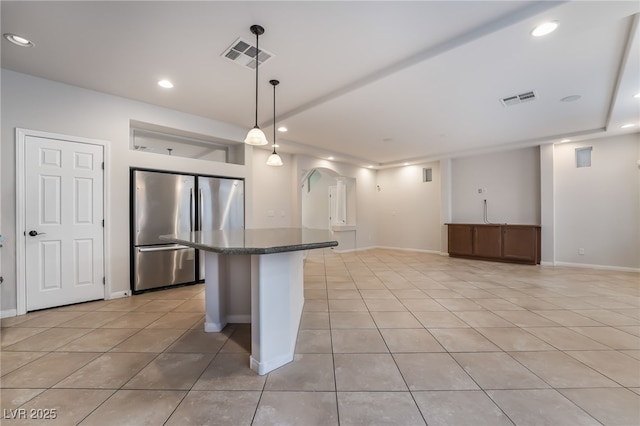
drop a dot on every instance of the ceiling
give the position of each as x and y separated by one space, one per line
370 83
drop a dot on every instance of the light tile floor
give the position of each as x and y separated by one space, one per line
387 338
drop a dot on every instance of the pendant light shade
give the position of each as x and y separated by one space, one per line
274 159
255 135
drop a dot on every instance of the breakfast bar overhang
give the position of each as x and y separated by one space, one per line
263 269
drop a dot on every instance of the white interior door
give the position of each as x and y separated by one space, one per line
64 229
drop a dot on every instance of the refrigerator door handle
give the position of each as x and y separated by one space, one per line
136 210
191 211
201 204
163 248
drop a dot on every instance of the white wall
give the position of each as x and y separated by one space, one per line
547 205
445 203
37 104
597 208
272 206
512 183
315 202
408 209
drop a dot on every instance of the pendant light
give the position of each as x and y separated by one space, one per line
255 135
274 159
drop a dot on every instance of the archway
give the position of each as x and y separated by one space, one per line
327 199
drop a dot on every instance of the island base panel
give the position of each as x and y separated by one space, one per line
277 295
266 290
227 290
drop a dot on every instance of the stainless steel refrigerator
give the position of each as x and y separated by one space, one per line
169 203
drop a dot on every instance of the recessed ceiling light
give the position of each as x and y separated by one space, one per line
405 164
370 166
544 29
166 84
329 158
571 98
626 126
282 129
565 140
18 40
637 95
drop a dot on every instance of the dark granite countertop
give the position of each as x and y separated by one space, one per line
255 241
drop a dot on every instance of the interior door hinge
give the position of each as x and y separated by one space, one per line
103 165
104 280
103 223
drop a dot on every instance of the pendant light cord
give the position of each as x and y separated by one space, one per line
257 63
274 83
274 117
255 136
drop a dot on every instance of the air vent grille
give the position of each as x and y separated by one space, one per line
243 53
518 99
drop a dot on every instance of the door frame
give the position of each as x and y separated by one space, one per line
332 192
21 261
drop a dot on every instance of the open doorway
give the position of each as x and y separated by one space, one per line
328 199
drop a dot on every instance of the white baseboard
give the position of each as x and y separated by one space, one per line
8 313
347 250
409 249
392 248
239 319
213 327
365 248
604 267
353 249
120 294
543 263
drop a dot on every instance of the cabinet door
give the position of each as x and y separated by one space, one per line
520 243
461 239
487 241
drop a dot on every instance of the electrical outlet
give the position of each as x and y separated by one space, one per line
581 251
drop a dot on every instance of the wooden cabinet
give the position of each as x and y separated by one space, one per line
521 243
461 240
503 243
487 241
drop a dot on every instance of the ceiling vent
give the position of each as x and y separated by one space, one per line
518 99
243 53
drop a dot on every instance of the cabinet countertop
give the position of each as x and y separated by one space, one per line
255 241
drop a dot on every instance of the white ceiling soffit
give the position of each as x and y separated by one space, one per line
379 83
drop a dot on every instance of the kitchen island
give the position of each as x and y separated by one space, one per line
256 275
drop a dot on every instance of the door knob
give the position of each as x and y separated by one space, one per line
34 233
